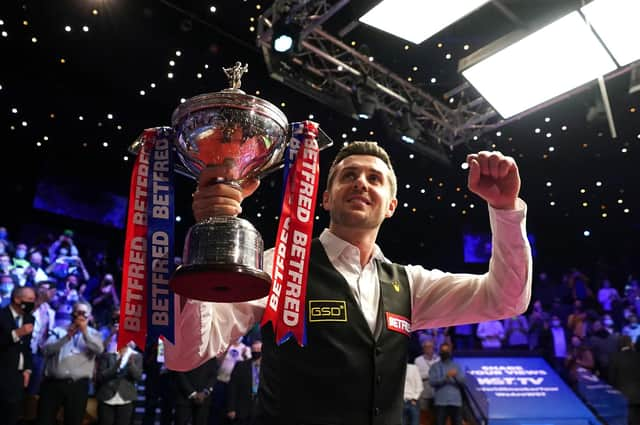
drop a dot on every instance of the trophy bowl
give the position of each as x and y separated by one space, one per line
244 136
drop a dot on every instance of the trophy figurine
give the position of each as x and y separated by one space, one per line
246 136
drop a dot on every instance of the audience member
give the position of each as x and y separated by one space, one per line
603 345
446 378
555 344
106 299
117 374
45 317
607 296
193 390
35 272
491 334
412 391
158 385
70 361
537 319
238 351
632 329
243 388
424 363
16 326
579 357
516 331
624 375
577 321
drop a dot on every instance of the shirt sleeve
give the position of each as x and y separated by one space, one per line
447 299
204 329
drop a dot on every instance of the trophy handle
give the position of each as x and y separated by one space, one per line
324 142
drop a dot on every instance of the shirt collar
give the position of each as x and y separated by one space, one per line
334 246
13 312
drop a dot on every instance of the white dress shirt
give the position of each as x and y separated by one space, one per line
412 383
438 298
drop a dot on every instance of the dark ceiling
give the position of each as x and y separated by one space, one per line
575 179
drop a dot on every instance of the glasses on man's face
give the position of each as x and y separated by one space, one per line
81 313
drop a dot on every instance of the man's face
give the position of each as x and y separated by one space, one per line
360 193
427 348
27 295
81 310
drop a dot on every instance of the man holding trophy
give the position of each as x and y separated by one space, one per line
338 317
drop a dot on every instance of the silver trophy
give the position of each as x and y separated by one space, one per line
245 136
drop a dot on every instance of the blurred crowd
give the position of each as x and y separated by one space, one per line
575 321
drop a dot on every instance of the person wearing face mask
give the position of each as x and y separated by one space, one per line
554 343
632 329
447 379
243 388
6 286
193 393
105 300
603 344
70 355
16 326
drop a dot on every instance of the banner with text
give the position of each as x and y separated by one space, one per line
147 303
286 303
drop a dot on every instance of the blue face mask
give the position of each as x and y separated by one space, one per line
21 253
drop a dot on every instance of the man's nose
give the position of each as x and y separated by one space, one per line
360 182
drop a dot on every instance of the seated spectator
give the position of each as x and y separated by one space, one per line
20 263
6 268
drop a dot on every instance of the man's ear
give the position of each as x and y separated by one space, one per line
325 200
393 204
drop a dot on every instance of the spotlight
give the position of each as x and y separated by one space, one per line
286 37
410 128
365 101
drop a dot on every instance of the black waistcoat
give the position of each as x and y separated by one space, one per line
345 374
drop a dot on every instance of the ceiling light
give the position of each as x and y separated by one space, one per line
615 21
417 20
547 63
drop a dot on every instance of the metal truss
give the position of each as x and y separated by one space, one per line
326 69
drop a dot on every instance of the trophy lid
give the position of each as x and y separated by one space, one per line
231 97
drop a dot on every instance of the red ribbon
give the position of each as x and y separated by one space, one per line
286 303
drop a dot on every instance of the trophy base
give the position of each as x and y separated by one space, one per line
226 283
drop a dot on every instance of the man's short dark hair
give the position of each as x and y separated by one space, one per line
19 290
364 148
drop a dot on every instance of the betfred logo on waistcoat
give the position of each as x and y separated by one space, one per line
327 311
398 323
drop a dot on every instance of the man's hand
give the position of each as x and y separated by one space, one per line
215 199
26 375
231 415
452 372
199 398
81 322
495 178
25 329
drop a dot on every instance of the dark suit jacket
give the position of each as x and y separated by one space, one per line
204 376
11 380
624 374
109 380
240 398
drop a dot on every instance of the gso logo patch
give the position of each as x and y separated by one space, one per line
327 311
398 323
